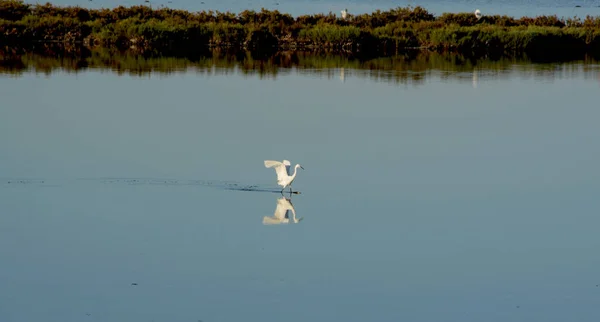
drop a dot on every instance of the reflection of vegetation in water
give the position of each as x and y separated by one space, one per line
412 67
171 31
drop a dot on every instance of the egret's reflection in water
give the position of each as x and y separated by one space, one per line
282 213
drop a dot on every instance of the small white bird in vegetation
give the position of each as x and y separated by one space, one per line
478 14
344 14
284 177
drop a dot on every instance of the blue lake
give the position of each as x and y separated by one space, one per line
444 196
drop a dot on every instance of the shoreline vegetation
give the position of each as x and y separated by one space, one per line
168 31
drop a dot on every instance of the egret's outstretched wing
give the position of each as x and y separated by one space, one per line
271 163
288 165
279 168
271 221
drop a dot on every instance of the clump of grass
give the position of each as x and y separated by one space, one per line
397 35
328 35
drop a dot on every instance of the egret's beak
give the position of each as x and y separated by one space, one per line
302 167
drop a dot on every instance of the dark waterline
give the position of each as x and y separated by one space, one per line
412 67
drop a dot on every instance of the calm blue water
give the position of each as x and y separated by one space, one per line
454 200
566 8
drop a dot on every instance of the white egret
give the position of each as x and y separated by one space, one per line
284 177
478 14
344 14
282 213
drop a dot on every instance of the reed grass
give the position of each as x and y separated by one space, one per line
171 31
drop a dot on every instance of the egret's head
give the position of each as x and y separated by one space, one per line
299 166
